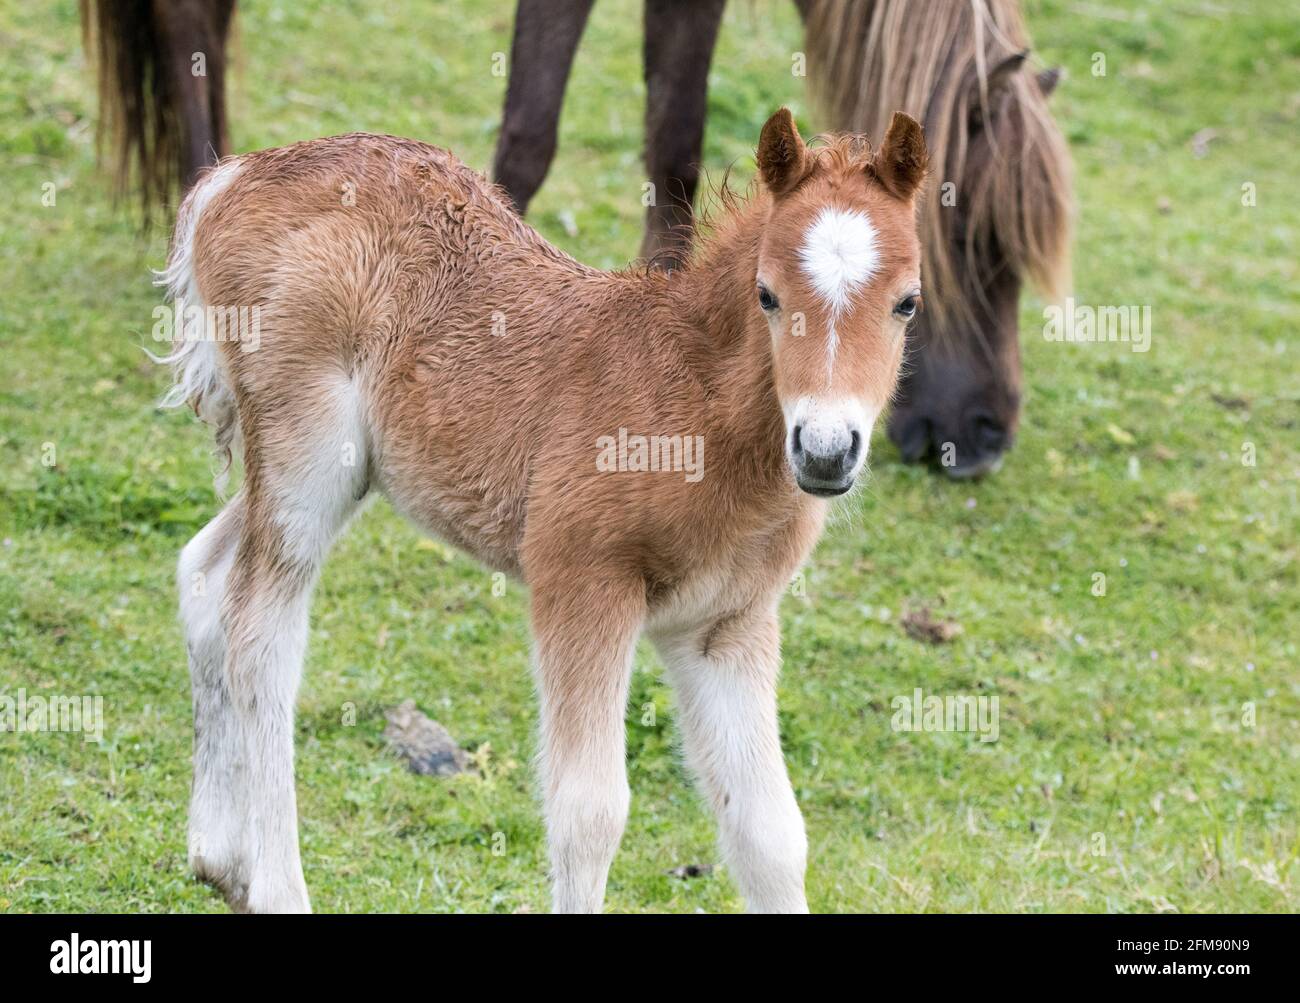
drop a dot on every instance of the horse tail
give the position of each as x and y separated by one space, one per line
138 113
143 124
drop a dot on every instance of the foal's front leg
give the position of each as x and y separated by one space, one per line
725 676
585 634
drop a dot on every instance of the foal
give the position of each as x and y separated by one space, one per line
418 339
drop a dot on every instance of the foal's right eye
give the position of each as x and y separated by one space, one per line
766 300
906 307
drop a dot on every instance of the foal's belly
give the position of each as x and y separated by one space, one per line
486 531
470 496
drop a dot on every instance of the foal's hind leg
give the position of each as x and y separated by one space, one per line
585 631
725 678
215 823
306 474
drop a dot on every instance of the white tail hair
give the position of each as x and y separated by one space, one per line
200 379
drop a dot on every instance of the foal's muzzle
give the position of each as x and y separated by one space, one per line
825 460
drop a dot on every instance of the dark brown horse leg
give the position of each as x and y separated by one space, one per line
223 14
679 40
541 55
192 34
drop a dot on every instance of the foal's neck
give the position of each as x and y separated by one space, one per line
727 345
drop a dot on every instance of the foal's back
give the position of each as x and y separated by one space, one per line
353 241
402 302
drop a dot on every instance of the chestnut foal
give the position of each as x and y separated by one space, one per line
415 337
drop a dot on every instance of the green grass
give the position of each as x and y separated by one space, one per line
1122 716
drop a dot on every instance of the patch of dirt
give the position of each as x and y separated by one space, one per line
921 625
1231 403
688 871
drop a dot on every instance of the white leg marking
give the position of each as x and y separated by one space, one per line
586 808
314 487
727 700
266 661
583 671
215 821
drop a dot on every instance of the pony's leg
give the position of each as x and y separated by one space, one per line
304 478
187 31
215 823
679 40
725 679
585 633
546 36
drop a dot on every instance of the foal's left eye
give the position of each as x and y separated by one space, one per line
766 300
907 307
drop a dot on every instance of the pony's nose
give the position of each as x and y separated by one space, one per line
970 446
913 437
825 458
987 433
980 444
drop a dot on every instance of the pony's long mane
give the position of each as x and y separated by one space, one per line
932 60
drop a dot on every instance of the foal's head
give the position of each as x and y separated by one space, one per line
838 280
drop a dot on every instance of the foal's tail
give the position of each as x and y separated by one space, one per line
199 372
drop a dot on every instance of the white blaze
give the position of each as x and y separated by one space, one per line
840 252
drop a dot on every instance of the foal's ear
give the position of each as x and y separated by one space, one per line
782 157
901 162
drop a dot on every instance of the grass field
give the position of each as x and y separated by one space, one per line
1149 748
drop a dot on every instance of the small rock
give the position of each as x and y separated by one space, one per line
427 746
1201 142
1232 403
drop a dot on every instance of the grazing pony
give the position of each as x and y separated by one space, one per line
418 339
998 212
